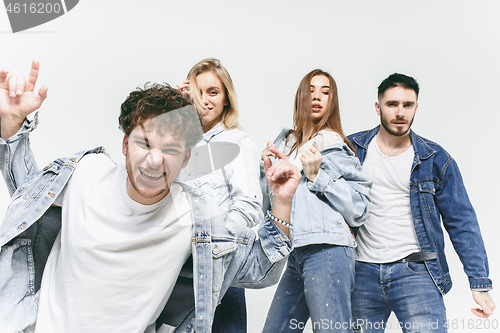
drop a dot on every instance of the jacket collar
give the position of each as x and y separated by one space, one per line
213 132
422 149
282 136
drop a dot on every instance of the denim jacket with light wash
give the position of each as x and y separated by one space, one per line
224 254
235 184
338 198
437 194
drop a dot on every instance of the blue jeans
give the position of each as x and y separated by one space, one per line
405 288
231 314
317 283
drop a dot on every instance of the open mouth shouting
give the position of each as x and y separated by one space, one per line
151 175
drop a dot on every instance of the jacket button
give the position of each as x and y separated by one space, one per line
215 250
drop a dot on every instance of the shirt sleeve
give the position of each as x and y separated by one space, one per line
460 221
243 180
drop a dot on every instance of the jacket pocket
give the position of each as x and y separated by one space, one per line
215 185
427 191
221 257
35 189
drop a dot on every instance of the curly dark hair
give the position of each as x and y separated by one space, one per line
175 113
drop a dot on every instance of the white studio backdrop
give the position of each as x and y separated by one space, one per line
94 55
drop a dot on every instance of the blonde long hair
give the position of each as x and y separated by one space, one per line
229 116
302 122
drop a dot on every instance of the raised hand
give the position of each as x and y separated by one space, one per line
267 151
18 99
183 87
283 178
311 160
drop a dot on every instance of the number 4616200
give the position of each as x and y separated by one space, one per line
34 8
478 324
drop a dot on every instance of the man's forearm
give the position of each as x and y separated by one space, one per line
10 126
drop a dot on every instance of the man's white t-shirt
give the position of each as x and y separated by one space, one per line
115 261
388 233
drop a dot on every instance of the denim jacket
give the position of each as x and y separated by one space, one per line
437 194
323 210
235 185
224 254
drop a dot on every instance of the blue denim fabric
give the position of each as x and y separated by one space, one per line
406 289
324 209
319 276
438 198
231 315
235 188
224 255
317 283
17 160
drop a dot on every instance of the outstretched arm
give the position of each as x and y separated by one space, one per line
18 99
263 261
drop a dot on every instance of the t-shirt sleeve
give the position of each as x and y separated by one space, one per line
327 138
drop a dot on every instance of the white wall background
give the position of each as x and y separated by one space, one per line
93 56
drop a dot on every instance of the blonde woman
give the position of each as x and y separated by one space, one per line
224 164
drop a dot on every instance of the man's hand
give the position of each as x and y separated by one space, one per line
311 160
18 99
283 178
484 300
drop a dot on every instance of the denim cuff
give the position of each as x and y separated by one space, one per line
480 284
320 183
274 242
27 127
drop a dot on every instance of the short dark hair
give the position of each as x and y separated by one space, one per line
158 101
395 80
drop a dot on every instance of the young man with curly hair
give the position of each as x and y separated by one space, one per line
126 231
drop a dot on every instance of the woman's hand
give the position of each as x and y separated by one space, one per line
183 87
267 152
311 160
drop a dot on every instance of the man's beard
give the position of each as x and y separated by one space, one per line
385 123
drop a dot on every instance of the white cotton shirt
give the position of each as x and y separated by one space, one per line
115 261
388 233
324 139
